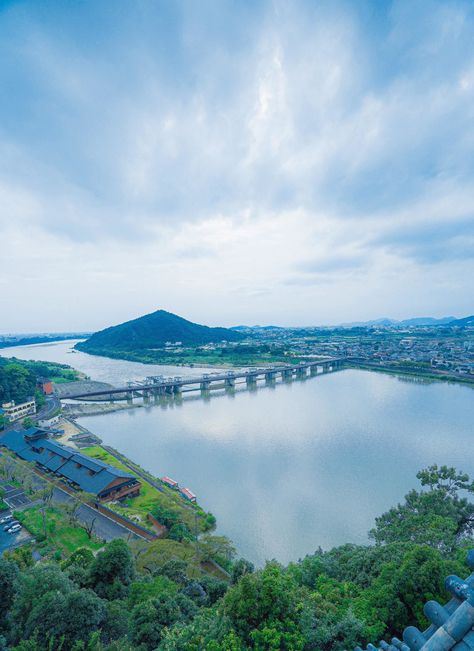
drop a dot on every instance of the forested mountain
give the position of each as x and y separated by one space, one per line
154 331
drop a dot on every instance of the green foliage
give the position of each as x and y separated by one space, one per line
439 517
180 532
113 570
9 579
18 377
150 618
154 330
156 597
149 588
262 601
241 567
17 382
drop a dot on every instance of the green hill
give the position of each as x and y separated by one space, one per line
467 321
154 331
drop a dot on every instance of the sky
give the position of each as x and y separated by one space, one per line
235 161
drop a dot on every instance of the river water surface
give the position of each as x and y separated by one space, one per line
290 468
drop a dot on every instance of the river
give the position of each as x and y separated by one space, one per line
290 468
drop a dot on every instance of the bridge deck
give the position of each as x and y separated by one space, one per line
171 383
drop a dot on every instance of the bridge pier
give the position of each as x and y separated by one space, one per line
313 370
301 373
130 397
287 375
270 377
204 386
230 382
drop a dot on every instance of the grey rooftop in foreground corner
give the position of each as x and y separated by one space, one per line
78 470
452 624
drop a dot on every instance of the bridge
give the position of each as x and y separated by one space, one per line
159 385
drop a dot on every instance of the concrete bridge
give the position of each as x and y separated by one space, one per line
159 385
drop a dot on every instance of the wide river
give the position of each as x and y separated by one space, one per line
290 468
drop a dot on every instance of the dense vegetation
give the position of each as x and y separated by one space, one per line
18 377
153 331
234 354
150 596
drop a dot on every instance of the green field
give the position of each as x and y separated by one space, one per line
60 532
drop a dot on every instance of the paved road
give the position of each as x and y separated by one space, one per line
52 405
104 527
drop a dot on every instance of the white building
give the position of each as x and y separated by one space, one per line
16 412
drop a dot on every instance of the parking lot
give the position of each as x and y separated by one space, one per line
14 497
10 540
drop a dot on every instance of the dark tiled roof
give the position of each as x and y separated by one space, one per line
13 442
90 475
452 624
94 483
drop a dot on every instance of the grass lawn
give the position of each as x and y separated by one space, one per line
61 533
149 495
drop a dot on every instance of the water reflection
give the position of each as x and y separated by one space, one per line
289 467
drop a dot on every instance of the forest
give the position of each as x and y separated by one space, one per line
146 597
18 377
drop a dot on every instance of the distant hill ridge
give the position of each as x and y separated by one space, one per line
415 321
153 331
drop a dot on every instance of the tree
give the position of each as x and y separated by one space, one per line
112 570
143 590
117 620
241 567
215 588
35 583
217 548
150 618
179 532
9 579
397 596
166 517
263 601
77 566
438 517
85 613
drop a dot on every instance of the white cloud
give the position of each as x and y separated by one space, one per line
308 166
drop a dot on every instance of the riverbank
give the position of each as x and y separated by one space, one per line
422 374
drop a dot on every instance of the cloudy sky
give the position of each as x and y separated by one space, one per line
235 161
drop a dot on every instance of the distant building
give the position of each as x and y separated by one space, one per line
189 495
45 386
49 422
170 482
76 469
16 412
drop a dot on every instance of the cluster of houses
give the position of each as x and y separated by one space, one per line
185 492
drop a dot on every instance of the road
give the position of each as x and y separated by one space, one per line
48 410
104 528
